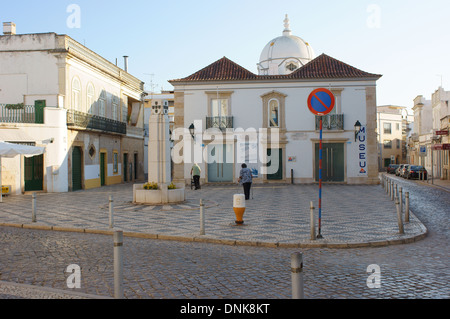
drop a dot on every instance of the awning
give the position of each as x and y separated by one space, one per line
15 135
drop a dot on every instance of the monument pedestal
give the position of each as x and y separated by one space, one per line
158 163
157 196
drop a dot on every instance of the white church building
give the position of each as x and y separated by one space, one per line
225 115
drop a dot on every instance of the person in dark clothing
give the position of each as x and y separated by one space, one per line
195 172
245 179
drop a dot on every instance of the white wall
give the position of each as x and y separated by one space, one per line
246 105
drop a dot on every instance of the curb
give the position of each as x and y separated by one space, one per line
230 242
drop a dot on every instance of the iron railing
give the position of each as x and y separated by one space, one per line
87 121
220 122
334 122
20 113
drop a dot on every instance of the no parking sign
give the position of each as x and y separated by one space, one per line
321 102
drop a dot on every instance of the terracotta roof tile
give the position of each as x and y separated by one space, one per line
223 69
322 67
327 67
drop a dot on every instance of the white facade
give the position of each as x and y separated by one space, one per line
300 133
83 97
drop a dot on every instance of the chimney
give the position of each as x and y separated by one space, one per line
9 28
125 60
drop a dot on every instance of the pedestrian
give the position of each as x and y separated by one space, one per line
195 172
245 179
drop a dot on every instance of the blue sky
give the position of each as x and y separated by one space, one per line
407 41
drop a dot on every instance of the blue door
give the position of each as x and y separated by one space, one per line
220 163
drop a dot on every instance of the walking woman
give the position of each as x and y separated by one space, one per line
245 178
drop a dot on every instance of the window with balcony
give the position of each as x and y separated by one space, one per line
102 104
76 94
219 110
90 98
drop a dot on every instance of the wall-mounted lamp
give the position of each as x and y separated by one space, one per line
357 129
192 130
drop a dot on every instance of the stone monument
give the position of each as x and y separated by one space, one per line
159 189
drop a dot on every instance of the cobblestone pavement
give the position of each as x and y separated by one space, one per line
197 270
276 216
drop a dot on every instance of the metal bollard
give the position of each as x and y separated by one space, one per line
202 217
312 221
118 264
111 211
297 276
395 191
399 217
33 208
392 190
400 197
407 207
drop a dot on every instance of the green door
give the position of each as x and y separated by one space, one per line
39 112
277 169
34 173
76 168
102 169
332 162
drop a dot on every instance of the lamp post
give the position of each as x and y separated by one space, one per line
357 129
192 130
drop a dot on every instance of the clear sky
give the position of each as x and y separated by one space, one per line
407 41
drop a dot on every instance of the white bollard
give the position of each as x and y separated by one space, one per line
400 196
111 211
33 208
202 217
297 276
118 264
312 221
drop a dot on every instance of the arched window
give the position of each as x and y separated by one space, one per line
274 111
115 108
76 94
90 98
102 104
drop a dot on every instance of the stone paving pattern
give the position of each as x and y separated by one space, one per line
277 215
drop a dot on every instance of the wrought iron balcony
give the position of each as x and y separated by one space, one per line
86 121
220 122
331 122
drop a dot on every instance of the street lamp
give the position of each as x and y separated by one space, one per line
192 130
357 129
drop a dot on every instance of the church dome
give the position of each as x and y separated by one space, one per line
285 54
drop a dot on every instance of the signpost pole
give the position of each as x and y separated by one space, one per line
321 102
320 179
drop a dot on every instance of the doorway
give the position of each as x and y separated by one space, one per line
333 168
34 173
277 171
76 168
219 170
